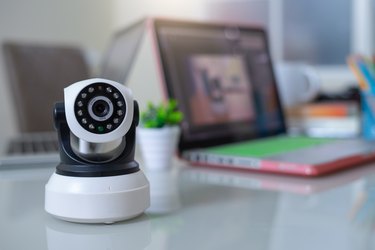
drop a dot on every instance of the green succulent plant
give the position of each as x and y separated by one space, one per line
158 116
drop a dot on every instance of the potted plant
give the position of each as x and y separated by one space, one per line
159 133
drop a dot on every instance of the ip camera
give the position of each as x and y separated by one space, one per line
97 180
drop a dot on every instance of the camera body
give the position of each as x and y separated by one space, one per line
97 180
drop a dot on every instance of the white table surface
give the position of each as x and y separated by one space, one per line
200 208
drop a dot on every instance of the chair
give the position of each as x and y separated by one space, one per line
37 75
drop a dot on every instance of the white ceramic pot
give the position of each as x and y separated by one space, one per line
158 146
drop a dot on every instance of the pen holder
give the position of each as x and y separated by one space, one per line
368 116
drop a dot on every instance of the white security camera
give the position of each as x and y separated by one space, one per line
98 180
99 113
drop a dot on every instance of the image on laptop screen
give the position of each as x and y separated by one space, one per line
223 80
219 90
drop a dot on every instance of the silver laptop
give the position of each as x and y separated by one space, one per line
60 66
37 75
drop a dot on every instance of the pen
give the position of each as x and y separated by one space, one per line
369 78
353 66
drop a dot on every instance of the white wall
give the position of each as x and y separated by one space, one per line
125 12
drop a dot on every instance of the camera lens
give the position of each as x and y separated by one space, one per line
100 108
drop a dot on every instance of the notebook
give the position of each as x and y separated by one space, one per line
222 76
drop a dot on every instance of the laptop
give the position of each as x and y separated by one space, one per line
223 79
34 91
55 68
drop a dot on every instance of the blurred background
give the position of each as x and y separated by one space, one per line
319 33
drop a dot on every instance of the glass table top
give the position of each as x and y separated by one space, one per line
202 208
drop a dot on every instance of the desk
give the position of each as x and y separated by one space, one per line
196 208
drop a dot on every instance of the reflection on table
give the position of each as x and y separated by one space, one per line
202 208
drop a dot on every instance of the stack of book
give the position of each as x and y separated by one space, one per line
329 119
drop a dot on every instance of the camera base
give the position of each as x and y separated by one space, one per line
97 199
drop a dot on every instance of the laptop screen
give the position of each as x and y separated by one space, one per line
223 79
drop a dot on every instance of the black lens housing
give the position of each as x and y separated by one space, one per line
100 108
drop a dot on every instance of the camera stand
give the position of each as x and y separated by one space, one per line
97 199
87 192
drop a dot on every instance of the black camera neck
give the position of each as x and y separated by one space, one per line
73 165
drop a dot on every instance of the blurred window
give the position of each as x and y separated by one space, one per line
317 31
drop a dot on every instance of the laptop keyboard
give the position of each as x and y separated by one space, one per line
41 143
